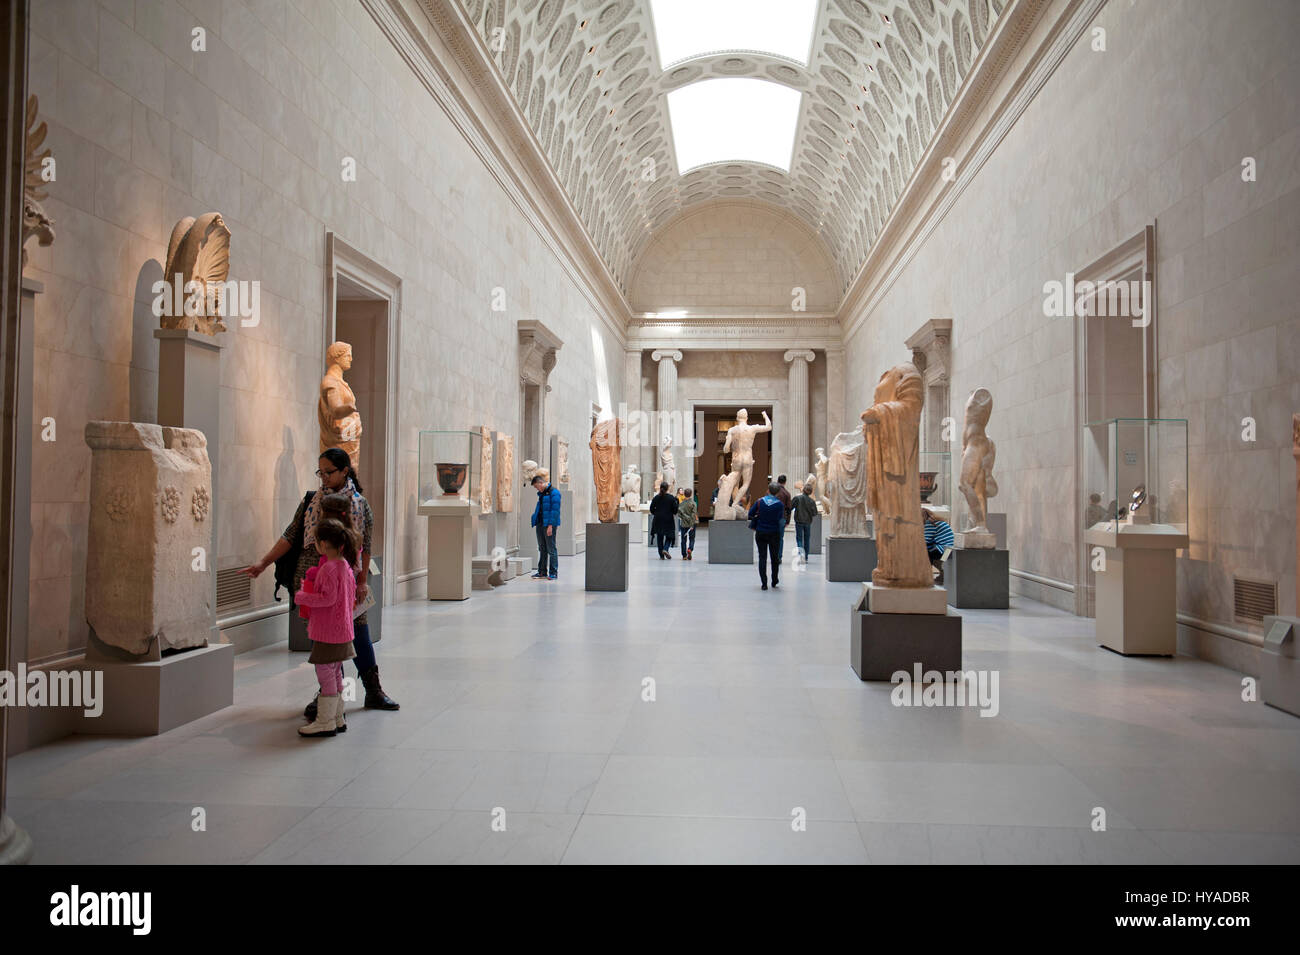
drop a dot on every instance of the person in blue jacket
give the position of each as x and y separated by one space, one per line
546 518
767 517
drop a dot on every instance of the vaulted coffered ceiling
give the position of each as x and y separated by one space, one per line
880 78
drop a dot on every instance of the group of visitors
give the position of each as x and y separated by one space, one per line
671 515
325 556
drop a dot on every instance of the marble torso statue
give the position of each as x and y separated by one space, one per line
340 423
848 485
631 489
740 442
977 455
823 480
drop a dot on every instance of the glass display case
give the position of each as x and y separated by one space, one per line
936 483
449 466
1135 478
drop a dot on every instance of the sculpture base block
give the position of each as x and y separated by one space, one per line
449 548
145 699
730 542
978 579
882 644
850 559
977 540
517 567
1137 602
607 557
485 576
815 536
906 600
15 844
1279 666
635 524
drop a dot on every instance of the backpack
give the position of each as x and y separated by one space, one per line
287 565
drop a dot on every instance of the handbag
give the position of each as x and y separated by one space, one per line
287 564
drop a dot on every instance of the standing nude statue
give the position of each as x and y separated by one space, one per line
823 481
977 455
740 442
340 423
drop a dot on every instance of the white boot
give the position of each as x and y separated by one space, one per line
327 710
340 724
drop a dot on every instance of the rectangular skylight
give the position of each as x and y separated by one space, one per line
689 28
737 119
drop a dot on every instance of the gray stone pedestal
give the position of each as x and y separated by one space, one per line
730 542
850 559
450 543
607 557
978 579
1279 664
634 522
880 644
815 536
567 543
153 696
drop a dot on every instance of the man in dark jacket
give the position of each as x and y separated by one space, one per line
805 509
767 515
663 510
546 518
788 501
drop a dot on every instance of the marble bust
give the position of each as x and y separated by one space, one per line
977 483
336 411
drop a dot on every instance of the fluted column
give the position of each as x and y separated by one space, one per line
797 424
667 402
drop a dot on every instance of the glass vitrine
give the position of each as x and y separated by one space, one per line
1135 477
449 467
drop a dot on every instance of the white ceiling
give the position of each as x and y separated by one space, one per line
879 80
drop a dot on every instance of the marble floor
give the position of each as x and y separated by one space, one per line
523 737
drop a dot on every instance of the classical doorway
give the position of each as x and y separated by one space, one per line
711 425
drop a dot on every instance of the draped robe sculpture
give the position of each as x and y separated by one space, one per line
606 467
892 428
848 485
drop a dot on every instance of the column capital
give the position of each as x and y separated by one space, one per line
659 354
805 353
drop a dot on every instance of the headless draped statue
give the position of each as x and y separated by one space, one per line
892 426
848 485
606 467
667 469
340 423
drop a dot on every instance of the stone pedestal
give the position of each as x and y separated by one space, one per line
1279 664
151 697
451 541
978 579
975 540
1137 593
566 535
850 559
607 557
815 536
634 522
730 542
997 523
880 644
907 600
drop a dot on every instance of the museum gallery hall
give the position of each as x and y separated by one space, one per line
650 431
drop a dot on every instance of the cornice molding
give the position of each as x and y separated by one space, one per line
528 180
927 199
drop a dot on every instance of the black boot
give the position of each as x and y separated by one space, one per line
376 698
309 710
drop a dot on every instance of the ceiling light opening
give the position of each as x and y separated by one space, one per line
689 28
734 120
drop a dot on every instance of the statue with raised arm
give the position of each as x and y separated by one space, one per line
740 442
977 483
340 423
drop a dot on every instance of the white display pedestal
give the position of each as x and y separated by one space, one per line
568 542
450 547
1137 593
635 523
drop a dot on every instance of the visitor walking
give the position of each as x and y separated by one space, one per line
329 596
788 502
337 476
546 518
662 511
805 509
687 520
938 538
767 518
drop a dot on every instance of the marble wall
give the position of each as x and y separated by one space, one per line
1154 129
734 254
259 125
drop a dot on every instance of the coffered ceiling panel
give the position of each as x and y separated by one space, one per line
880 78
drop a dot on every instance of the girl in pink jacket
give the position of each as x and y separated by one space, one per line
332 596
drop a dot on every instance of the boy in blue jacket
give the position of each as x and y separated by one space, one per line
767 517
546 518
